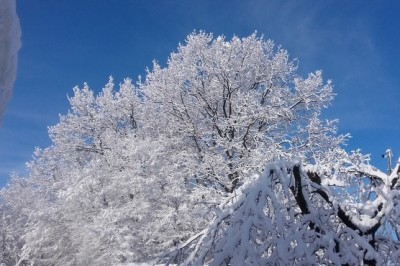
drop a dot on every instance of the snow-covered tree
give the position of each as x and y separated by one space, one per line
232 105
175 162
17 202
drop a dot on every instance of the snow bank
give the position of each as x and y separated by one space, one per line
10 43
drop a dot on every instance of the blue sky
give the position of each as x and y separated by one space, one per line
66 43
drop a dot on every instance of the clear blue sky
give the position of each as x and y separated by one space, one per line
66 43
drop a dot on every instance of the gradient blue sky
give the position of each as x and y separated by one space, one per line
66 43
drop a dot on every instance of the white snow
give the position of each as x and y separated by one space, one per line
10 43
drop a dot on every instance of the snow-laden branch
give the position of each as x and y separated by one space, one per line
277 220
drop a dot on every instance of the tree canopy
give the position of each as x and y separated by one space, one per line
218 157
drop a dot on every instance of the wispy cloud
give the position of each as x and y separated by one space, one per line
10 43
